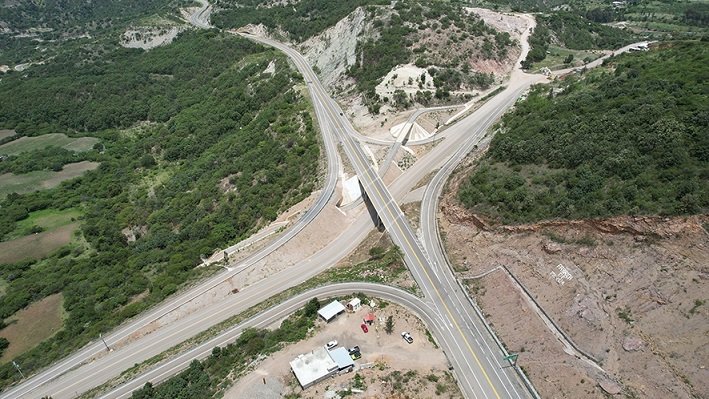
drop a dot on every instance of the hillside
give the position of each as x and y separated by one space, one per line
565 38
629 138
36 31
429 51
198 147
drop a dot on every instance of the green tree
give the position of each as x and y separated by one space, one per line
389 326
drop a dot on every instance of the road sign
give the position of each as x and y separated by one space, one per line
512 358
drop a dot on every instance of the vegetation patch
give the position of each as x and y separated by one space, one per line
42 180
629 138
6 135
44 220
32 325
566 34
301 19
26 144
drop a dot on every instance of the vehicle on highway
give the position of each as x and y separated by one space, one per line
364 328
331 344
407 337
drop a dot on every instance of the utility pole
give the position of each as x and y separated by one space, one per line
104 342
17 366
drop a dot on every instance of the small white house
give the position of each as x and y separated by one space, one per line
354 305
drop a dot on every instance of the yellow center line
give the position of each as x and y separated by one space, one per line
450 314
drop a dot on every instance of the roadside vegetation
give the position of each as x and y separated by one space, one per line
198 149
211 376
571 31
627 138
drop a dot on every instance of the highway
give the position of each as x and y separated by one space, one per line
200 18
162 371
479 374
96 349
92 366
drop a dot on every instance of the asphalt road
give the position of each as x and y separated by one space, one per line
479 375
28 388
200 18
164 370
93 365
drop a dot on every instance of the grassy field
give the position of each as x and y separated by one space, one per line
54 139
32 325
556 56
36 246
47 219
6 133
43 179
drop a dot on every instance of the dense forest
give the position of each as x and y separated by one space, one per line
630 138
198 148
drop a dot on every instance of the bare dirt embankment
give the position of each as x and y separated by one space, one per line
630 292
32 325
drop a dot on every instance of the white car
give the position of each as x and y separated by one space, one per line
407 337
331 345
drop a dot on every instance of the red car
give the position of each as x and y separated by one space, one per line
364 327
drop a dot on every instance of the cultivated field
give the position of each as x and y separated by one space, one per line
40 180
24 144
36 246
6 133
47 219
32 325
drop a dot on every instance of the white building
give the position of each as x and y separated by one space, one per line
313 367
354 305
331 310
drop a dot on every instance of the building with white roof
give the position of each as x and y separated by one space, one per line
354 304
342 357
313 367
331 310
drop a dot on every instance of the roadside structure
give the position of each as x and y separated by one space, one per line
313 367
354 304
343 359
369 318
331 310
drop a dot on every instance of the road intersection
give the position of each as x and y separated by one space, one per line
475 356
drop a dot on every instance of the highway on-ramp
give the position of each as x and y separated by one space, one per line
479 375
276 313
91 366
